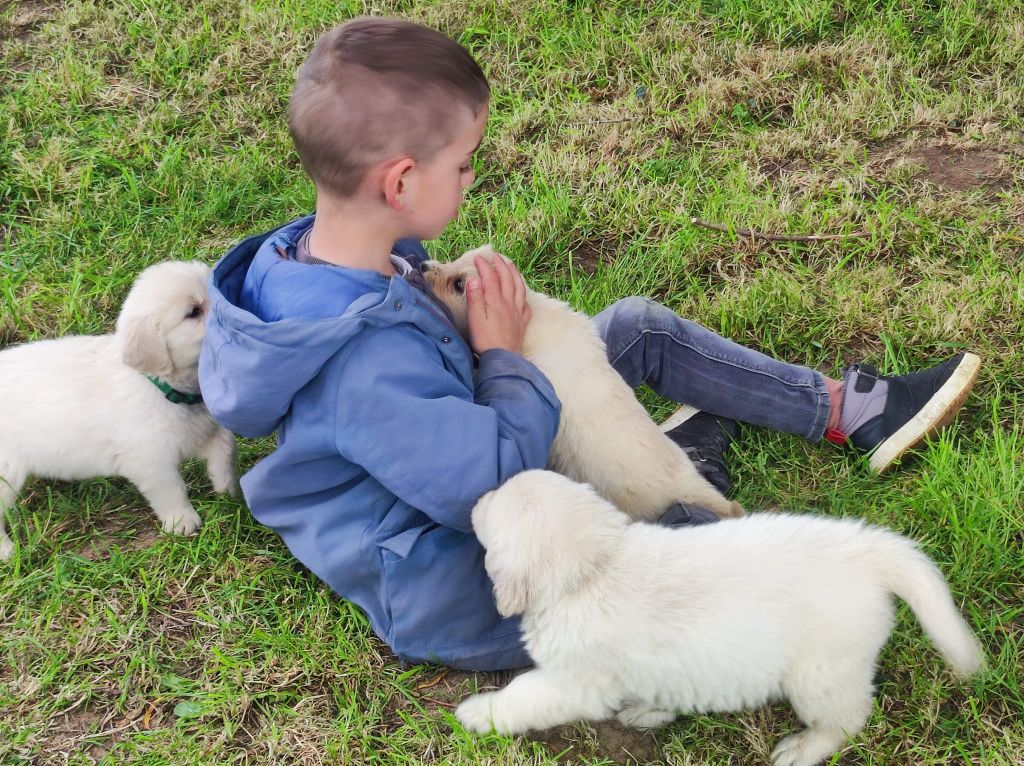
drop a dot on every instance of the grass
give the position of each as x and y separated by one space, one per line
132 131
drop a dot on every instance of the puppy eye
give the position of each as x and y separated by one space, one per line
459 285
195 313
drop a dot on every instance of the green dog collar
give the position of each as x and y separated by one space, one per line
173 394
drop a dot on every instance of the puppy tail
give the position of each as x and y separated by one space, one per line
912 576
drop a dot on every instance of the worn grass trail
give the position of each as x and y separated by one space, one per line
133 131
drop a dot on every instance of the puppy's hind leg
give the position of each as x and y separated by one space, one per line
641 716
833 697
221 462
163 487
532 701
12 477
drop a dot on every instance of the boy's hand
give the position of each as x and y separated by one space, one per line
496 302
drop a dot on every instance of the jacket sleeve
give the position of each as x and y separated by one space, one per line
419 430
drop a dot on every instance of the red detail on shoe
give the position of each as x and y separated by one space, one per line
835 436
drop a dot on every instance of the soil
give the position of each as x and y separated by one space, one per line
959 169
27 16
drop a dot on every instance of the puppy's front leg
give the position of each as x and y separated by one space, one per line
532 701
221 462
641 716
163 487
12 476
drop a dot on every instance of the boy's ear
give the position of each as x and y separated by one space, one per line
394 181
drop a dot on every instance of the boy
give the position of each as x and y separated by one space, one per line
389 425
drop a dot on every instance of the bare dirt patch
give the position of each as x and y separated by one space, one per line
602 740
772 169
950 168
129 533
592 253
27 16
89 731
962 169
954 168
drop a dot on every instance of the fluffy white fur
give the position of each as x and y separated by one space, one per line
605 436
80 407
646 622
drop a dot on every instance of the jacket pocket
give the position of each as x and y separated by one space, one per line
400 544
438 596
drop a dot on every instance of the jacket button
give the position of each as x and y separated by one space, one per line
446 339
398 305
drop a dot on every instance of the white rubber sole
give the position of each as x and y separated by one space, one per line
939 412
678 417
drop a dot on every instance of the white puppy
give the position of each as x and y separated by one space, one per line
86 406
647 622
605 436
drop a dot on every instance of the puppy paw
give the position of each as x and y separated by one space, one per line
474 713
806 748
6 548
227 486
736 511
183 522
644 717
789 751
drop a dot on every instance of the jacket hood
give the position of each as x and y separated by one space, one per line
274 323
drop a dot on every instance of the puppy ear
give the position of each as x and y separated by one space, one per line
142 346
508 571
511 594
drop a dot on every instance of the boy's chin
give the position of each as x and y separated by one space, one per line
432 231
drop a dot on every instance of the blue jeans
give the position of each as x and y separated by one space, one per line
683 361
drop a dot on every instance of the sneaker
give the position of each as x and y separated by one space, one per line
705 438
913 407
686 515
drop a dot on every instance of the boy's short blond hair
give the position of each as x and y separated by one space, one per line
379 87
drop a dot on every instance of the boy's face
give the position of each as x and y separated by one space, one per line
436 192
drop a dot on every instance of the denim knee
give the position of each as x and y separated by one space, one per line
632 310
622 323
625 318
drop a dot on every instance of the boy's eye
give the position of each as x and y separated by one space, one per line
465 168
459 285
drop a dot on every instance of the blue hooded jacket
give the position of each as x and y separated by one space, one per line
387 436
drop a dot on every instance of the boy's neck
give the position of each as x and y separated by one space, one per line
347 234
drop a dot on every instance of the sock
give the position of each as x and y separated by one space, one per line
864 396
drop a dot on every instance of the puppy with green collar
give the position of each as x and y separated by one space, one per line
126 404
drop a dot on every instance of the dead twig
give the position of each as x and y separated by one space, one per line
752 234
434 681
601 122
448 705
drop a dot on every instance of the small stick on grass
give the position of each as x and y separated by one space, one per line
434 681
601 122
752 234
449 705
